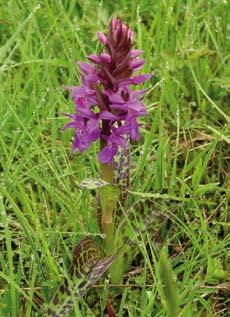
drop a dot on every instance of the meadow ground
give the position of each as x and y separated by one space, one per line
181 166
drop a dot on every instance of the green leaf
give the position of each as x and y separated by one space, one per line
215 271
169 285
202 189
197 174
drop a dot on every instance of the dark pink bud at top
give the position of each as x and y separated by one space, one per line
101 37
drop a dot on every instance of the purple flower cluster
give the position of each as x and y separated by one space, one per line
105 106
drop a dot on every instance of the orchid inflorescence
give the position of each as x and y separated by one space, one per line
105 106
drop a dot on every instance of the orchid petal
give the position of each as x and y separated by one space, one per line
137 63
106 115
107 154
94 58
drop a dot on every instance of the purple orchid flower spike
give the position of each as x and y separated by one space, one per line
105 106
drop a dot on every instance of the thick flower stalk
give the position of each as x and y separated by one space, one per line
107 109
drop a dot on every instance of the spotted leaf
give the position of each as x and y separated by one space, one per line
91 183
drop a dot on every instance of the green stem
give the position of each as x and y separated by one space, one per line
108 201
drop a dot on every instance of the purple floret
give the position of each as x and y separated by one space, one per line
105 106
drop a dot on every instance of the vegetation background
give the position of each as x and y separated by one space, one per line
181 166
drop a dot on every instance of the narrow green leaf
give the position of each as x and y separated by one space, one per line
202 189
169 286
